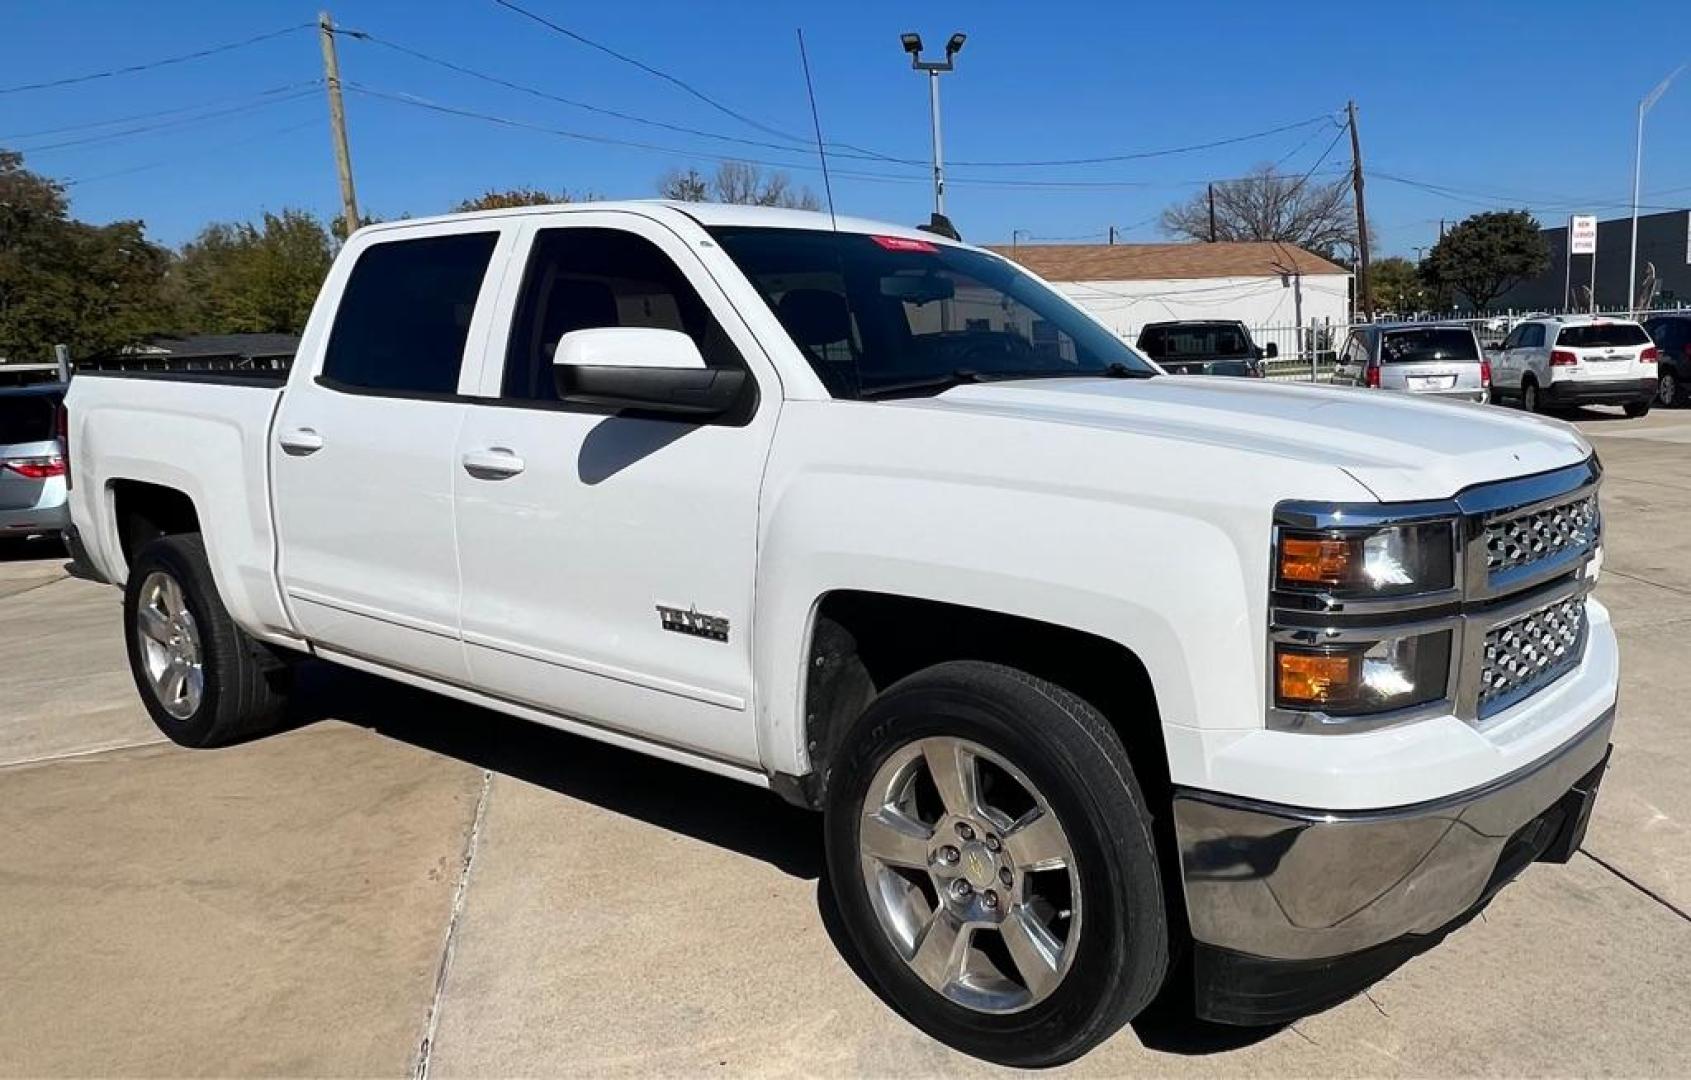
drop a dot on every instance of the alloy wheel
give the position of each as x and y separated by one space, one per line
971 875
1667 389
170 646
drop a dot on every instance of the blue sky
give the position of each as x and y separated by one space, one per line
1493 103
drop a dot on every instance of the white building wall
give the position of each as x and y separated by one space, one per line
1255 301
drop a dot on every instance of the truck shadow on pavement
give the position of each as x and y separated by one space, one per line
673 797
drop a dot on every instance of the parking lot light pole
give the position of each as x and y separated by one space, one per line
913 45
1644 106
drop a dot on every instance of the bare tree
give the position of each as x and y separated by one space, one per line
737 182
1266 205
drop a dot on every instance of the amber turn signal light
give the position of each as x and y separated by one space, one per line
1313 678
1315 560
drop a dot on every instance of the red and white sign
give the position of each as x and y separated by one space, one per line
1582 235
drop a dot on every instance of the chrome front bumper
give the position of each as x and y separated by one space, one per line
1281 883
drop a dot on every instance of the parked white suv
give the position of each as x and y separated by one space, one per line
1092 670
1559 360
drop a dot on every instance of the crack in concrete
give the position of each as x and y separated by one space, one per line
472 843
76 755
1636 884
32 588
1646 581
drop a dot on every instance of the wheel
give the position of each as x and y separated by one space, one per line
204 681
1668 391
1635 409
991 856
1529 397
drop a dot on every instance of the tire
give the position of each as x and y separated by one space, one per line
1670 392
242 685
1529 397
1636 409
1029 737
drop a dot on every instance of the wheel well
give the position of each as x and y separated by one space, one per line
864 642
145 512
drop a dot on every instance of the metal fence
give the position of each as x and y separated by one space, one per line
1307 353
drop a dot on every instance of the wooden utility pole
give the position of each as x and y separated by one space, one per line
1361 218
1212 213
337 121
1112 234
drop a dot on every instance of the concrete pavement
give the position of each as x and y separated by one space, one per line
402 883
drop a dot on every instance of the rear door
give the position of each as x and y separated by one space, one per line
32 464
1430 359
363 461
1610 350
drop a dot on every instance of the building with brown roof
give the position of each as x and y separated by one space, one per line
1129 285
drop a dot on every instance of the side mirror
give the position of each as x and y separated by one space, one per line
637 367
1271 350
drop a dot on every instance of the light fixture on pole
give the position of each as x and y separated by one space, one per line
1644 106
913 45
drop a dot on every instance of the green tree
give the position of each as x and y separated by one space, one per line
523 196
1396 285
1486 255
95 288
242 277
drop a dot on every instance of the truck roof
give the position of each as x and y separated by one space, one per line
706 214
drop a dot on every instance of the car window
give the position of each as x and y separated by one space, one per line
27 417
405 314
1151 342
591 278
1532 336
1431 343
1601 335
1218 339
881 314
1513 341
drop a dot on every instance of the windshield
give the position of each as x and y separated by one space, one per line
1431 344
1601 335
877 314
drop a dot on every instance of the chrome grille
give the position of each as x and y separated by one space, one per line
1529 538
1526 654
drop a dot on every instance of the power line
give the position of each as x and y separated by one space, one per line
178 110
682 84
131 69
210 151
169 125
1141 155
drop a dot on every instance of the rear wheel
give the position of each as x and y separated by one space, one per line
992 859
1529 397
203 681
1669 392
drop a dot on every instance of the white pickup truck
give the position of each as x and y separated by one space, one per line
1099 675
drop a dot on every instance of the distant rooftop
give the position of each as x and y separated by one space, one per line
205 346
1158 262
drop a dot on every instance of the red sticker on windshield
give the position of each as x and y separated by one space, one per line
901 243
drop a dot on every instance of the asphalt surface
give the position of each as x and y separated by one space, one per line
403 885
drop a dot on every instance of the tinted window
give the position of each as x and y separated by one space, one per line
881 314
27 417
405 314
1598 335
585 279
1532 336
1207 339
1433 343
1150 342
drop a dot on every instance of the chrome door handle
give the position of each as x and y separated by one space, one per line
300 441
494 463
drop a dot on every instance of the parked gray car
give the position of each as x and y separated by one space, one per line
32 461
1439 360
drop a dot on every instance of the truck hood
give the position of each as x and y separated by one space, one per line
1398 446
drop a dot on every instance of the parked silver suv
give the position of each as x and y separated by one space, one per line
32 461
1442 360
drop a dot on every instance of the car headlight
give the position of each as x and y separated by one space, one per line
1380 562
1359 678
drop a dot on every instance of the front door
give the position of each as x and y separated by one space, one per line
363 461
608 560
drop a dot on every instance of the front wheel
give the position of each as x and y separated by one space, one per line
1669 391
992 860
204 681
1635 409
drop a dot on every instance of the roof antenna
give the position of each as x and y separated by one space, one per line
821 152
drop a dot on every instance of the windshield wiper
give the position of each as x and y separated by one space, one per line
938 384
932 383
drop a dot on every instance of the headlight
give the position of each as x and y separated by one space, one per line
1382 562
1362 678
